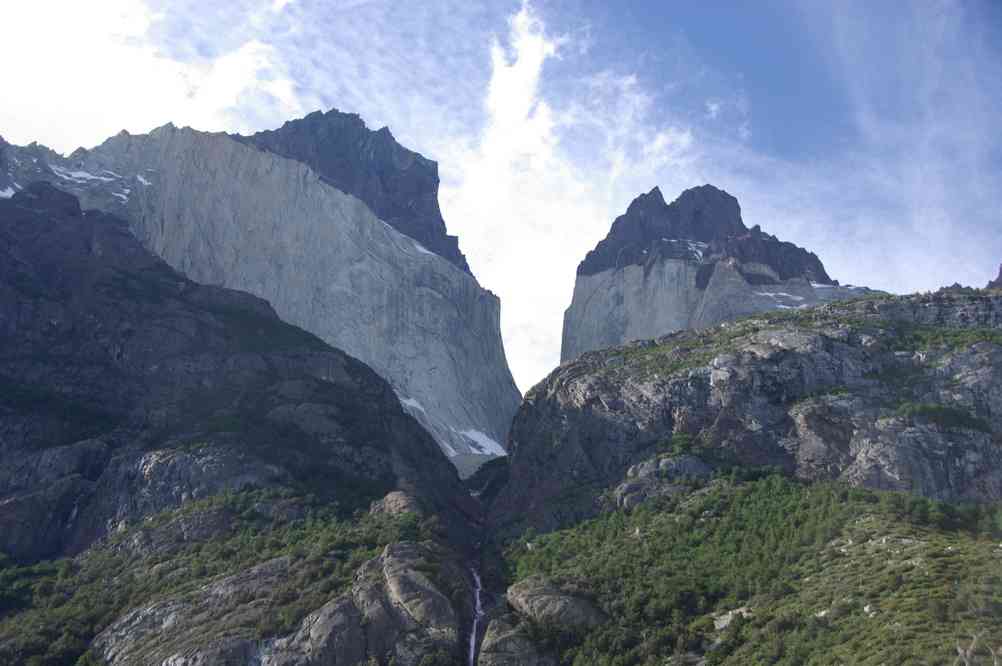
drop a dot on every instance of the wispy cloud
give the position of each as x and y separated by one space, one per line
539 185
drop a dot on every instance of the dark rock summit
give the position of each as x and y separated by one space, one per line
399 185
702 214
127 390
688 264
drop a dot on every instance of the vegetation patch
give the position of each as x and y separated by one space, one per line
78 419
946 417
50 611
827 573
922 338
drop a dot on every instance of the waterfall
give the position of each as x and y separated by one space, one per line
478 614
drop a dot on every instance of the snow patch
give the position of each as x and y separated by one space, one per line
124 196
411 402
7 193
697 248
142 180
818 285
78 176
779 294
422 249
483 442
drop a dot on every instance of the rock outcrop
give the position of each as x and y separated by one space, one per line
657 477
997 282
900 393
129 390
507 643
394 612
689 264
267 214
543 602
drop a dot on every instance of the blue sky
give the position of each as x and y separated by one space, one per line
866 131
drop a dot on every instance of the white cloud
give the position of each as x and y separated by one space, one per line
538 187
712 109
97 73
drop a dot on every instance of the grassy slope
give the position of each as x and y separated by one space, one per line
832 575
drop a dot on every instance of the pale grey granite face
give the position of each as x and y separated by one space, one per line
640 302
229 214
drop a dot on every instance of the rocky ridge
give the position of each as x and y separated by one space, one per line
899 393
688 264
265 214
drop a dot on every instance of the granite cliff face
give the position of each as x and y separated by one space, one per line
270 218
689 264
129 390
207 465
899 393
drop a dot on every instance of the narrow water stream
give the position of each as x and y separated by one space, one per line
478 614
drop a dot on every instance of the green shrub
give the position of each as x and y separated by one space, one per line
50 611
944 416
661 571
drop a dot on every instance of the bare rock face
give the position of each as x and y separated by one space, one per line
289 216
898 393
129 390
689 264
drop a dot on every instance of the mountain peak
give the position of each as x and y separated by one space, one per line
702 214
399 185
707 213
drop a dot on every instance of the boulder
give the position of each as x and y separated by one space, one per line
541 601
506 643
